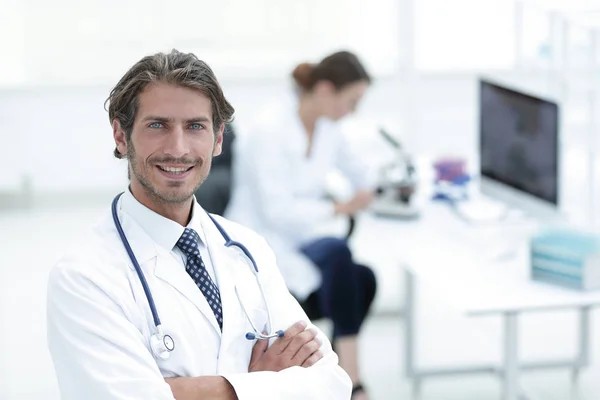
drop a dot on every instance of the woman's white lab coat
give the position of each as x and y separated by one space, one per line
99 321
279 191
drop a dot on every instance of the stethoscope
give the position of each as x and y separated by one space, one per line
162 345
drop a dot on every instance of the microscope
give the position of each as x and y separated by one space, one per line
397 184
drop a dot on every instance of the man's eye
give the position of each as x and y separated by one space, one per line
196 126
156 125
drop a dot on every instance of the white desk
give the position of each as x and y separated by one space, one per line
445 252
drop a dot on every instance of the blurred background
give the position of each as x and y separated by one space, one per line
61 58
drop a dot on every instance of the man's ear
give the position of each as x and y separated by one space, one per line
120 138
218 149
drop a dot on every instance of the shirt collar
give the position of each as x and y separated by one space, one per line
163 231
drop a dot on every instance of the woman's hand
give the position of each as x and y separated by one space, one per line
361 200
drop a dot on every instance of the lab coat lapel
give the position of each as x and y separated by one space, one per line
174 274
224 262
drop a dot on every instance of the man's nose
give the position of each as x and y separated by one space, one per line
176 144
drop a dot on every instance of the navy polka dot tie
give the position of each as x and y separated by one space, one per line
189 245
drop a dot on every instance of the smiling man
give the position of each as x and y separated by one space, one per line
160 300
162 169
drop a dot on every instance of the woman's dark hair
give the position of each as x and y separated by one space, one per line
341 69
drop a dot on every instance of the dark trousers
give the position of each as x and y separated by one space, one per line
347 290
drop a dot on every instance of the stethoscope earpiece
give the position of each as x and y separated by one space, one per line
252 336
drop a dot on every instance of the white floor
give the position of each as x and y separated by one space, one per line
32 241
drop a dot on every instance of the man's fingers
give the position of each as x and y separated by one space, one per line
258 350
281 343
307 350
298 343
312 360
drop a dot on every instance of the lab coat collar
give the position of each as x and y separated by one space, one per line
163 231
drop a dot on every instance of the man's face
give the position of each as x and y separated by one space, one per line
172 143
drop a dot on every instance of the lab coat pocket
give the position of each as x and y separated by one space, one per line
257 317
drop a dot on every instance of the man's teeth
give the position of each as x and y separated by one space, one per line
174 170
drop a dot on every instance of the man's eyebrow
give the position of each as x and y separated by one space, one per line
157 118
166 119
198 119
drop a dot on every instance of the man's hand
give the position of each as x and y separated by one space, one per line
360 201
297 347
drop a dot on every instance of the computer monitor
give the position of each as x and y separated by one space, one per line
519 150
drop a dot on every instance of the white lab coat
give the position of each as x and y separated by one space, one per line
280 192
99 321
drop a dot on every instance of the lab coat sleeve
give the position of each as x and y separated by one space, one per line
324 380
274 181
97 352
353 166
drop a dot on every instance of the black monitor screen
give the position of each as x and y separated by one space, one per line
518 137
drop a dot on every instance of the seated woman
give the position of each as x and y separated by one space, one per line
280 167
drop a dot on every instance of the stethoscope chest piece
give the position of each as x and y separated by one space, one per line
162 346
169 343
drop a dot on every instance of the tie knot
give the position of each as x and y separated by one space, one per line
189 242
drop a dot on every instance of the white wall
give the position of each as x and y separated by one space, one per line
61 139
464 34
